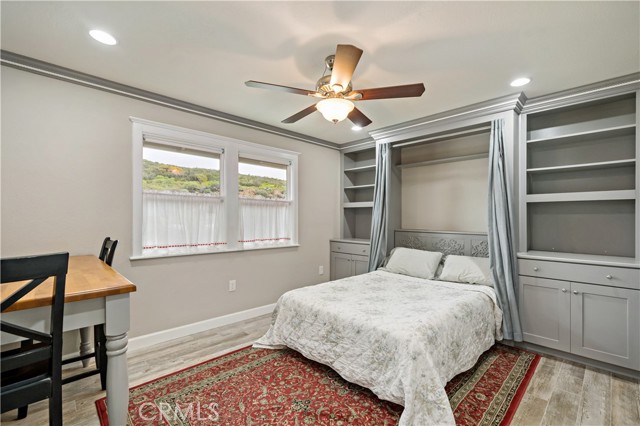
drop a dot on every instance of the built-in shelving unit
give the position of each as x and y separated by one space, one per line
579 257
580 179
358 179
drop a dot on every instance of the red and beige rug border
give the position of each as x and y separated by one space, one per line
522 389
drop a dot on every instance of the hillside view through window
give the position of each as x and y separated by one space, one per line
180 172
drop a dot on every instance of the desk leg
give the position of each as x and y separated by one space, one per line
85 344
116 328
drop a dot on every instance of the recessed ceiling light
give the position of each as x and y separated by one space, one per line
103 37
520 81
356 128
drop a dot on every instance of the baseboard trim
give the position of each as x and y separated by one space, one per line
147 340
623 371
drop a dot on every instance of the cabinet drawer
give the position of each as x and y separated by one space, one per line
351 248
593 274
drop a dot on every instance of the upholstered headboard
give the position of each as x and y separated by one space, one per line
458 243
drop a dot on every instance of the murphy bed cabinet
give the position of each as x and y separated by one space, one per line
579 253
350 253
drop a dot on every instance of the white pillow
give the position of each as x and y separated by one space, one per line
465 269
412 262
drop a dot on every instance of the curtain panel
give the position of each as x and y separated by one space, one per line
379 231
265 223
501 235
181 223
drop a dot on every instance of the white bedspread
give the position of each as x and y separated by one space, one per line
402 337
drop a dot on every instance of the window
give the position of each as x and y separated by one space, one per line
197 193
182 210
265 207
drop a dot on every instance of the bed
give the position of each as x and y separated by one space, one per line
401 336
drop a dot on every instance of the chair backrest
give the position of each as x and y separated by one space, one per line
108 250
34 270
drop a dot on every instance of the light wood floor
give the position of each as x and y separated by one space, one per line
560 393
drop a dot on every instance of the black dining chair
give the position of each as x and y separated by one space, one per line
33 371
99 352
108 250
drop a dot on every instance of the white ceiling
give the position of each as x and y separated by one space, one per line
202 52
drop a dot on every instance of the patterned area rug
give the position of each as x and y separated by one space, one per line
267 387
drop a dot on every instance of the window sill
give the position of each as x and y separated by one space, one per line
161 256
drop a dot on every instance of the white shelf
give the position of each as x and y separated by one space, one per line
591 259
445 160
360 186
584 166
358 205
629 194
361 169
613 131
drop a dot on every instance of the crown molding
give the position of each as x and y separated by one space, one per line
359 144
459 117
28 64
613 87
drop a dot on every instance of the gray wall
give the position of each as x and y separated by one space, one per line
66 184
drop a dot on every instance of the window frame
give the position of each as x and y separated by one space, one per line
230 151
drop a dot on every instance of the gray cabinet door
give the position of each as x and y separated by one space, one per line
544 312
360 264
341 266
605 324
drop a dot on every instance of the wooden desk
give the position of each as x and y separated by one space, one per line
94 294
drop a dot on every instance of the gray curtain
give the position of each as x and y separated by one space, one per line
501 238
379 218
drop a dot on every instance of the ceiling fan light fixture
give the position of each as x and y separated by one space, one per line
335 109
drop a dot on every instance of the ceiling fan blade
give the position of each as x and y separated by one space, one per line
347 58
406 91
297 116
358 118
261 85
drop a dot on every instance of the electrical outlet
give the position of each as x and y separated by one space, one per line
232 285
320 270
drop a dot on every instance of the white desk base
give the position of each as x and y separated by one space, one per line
113 312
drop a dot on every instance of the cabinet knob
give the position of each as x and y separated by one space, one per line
564 290
608 277
535 268
575 291
364 250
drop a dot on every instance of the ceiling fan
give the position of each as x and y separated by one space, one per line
336 91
